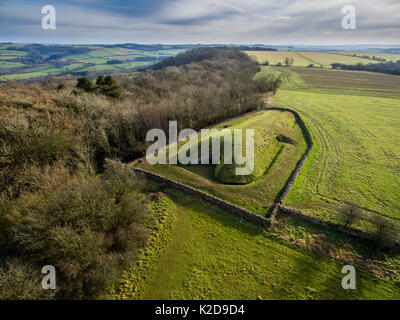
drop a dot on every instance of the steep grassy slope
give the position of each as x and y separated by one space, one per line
274 162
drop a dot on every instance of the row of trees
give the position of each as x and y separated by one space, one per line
386 231
53 210
104 85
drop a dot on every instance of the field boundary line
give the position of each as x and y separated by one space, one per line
300 164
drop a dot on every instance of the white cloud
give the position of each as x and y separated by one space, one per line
211 21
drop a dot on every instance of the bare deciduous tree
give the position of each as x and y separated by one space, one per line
350 214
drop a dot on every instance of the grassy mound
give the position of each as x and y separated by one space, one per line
274 161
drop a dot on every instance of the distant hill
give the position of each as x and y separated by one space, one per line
200 54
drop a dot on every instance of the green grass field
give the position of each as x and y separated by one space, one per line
354 118
8 64
274 162
275 57
199 252
12 52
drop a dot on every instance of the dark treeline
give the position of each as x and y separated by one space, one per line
386 67
200 54
217 86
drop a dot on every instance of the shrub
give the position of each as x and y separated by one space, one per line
21 281
29 142
272 82
100 81
85 84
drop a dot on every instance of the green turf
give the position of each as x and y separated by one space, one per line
203 253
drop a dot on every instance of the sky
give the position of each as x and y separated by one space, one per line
275 22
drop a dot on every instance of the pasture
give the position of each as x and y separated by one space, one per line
354 118
381 55
275 57
274 162
200 252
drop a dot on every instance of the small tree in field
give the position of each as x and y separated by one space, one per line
350 214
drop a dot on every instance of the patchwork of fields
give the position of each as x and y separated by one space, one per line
274 162
15 63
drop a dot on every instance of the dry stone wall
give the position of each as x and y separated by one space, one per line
277 207
226 206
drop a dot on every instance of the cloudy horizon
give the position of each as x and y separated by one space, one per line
285 22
